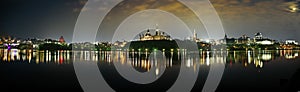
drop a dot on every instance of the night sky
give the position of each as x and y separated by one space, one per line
55 18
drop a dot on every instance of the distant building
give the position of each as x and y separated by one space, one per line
243 40
9 41
258 35
158 35
264 41
259 39
228 40
120 44
195 38
291 42
62 40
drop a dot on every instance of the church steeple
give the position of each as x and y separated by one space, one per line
225 37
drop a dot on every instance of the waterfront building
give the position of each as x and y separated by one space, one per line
227 40
243 40
259 39
258 35
291 42
62 40
157 36
264 41
120 44
195 38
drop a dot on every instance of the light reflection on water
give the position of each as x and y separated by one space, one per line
141 61
243 69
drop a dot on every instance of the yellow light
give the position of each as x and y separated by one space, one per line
294 9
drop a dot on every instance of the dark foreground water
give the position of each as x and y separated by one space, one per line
263 70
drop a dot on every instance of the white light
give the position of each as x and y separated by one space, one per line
266 57
156 71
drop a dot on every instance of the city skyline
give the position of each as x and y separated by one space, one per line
150 45
57 18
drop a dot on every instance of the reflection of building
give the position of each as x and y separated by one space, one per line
158 35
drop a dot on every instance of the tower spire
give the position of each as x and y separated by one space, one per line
157 30
195 35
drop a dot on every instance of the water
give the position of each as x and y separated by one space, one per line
273 70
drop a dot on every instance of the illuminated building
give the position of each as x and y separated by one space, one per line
195 36
265 41
61 39
120 44
158 35
9 42
291 42
259 39
258 35
243 40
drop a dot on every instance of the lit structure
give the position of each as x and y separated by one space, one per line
265 42
291 42
243 40
9 42
195 38
259 39
61 39
258 35
158 35
120 44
